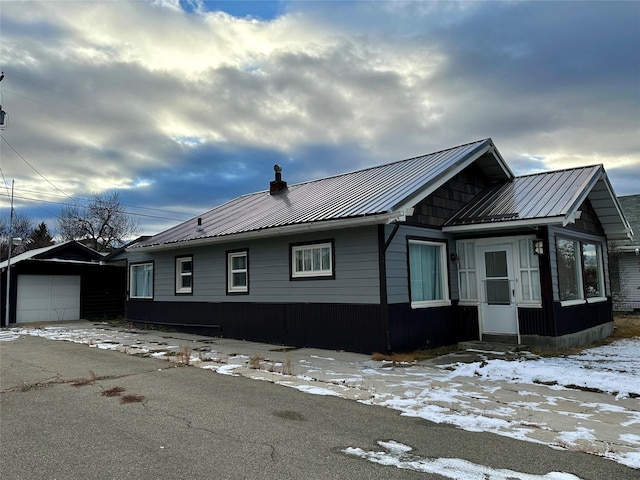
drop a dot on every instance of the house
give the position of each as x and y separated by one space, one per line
66 281
625 264
426 251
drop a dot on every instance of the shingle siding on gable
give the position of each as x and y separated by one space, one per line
438 207
588 221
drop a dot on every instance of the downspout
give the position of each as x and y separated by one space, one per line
383 245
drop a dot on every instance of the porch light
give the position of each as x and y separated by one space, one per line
454 257
538 247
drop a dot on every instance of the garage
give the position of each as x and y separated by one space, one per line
42 298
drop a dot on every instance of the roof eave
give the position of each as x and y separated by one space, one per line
381 218
502 225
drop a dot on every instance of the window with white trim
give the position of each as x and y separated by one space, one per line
141 280
184 274
309 261
529 272
428 273
569 271
580 270
238 272
467 271
592 270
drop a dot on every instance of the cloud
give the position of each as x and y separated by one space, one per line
183 105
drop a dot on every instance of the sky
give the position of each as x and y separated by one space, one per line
584 402
181 105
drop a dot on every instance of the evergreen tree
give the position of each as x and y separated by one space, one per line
40 237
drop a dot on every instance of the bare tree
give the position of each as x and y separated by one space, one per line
22 228
103 224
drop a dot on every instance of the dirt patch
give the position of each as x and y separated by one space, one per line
113 392
132 399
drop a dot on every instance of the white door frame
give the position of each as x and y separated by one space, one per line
505 321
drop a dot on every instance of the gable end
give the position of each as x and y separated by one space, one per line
447 200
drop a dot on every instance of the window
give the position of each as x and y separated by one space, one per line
580 271
184 274
141 280
467 271
529 272
312 260
569 277
592 270
427 273
238 271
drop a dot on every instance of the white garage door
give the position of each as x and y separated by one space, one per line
43 298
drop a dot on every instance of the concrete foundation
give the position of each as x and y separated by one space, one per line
578 339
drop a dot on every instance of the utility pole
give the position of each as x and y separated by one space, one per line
6 311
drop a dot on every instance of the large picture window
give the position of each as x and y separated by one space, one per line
312 260
184 275
569 275
592 270
427 273
141 280
579 270
238 272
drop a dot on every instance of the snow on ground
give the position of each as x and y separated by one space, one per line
587 402
399 456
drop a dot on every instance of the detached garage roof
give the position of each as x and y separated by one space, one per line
373 195
549 198
70 251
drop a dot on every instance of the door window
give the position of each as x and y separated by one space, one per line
498 287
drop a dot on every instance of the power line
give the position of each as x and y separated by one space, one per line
36 170
146 215
124 204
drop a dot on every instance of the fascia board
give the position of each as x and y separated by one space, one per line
623 219
534 222
278 231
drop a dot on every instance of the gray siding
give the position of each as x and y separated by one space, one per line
555 232
356 271
396 261
629 271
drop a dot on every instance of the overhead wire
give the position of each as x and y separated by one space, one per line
64 194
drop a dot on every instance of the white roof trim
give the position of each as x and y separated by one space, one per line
284 230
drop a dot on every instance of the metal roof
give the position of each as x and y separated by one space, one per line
46 252
544 199
631 208
374 195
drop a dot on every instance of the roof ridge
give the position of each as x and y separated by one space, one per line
585 167
373 167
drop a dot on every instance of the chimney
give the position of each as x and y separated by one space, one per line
277 185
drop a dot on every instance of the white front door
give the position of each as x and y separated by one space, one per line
498 306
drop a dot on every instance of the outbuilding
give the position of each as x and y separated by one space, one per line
62 282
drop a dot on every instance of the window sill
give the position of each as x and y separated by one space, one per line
570 303
529 305
438 303
468 303
596 299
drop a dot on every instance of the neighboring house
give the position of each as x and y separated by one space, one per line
625 267
431 250
67 281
